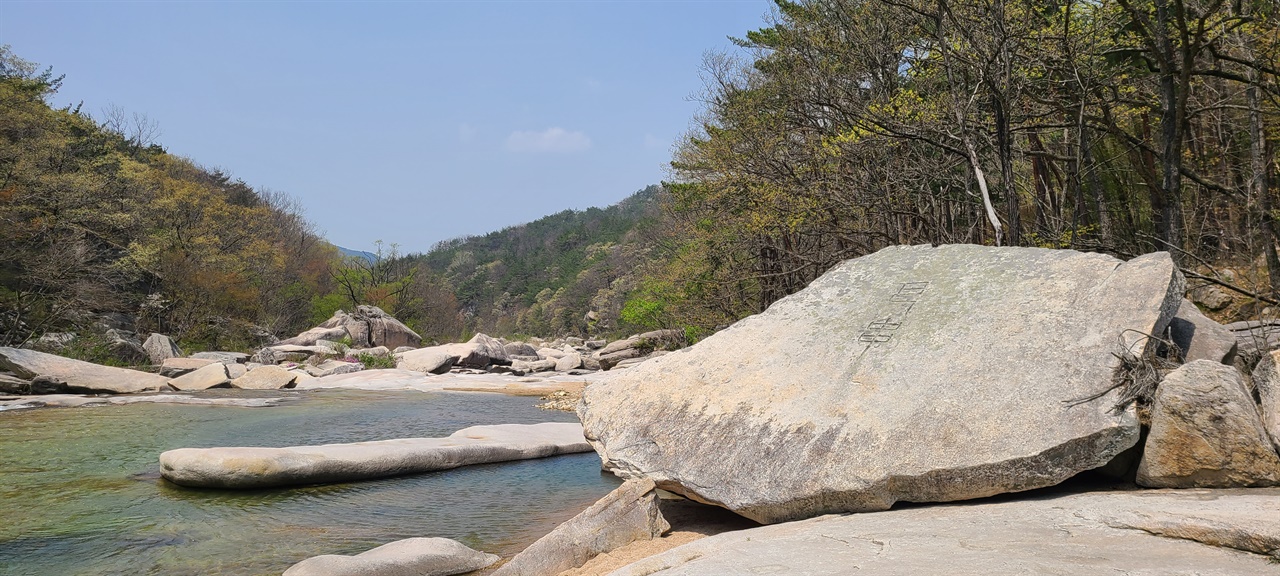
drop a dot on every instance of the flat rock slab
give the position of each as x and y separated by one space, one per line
84 377
1084 534
75 401
917 373
627 514
409 557
267 467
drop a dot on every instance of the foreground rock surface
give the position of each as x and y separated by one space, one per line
1206 432
1095 533
410 557
265 467
80 377
625 515
916 373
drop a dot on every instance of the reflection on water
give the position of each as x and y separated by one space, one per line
80 491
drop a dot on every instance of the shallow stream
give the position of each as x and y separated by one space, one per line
80 491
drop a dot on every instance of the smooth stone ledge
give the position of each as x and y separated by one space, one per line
240 468
1146 532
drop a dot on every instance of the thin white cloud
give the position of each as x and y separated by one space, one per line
651 141
592 85
553 140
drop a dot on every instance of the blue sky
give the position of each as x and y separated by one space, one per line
407 122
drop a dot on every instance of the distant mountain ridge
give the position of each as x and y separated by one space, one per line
349 253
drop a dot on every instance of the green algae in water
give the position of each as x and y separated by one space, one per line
80 491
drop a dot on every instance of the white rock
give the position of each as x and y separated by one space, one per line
409 557
264 467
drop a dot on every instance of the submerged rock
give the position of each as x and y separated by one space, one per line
265 467
917 373
80 377
409 557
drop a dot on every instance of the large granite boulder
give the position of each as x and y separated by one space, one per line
265 378
80 377
489 347
917 373
383 329
266 467
520 349
160 348
409 557
433 360
627 514
367 327
1206 433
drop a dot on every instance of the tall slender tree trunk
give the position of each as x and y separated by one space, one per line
1258 183
1171 106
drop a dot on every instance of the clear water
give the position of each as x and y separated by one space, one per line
80 491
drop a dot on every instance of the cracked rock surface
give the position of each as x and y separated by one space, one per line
1150 532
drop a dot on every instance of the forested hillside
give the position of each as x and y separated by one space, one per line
96 218
545 277
1122 126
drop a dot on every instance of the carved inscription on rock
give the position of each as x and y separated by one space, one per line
881 330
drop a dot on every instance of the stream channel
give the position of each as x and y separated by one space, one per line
80 491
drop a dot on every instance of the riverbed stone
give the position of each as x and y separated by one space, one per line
520 349
431 360
265 378
223 357
1206 433
1198 337
569 362
174 367
160 348
81 377
409 557
265 467
214 375
333 367
916 373
1149 532
627 514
